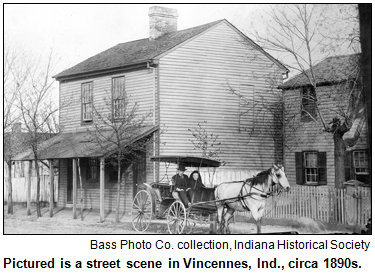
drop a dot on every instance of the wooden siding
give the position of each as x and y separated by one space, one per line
63 181
91 190
309 136
211 177
19 188
194 87
138 85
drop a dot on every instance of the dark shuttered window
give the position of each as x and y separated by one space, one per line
311 168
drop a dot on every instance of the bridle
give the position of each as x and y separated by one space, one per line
262 195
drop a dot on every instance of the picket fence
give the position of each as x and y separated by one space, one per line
347 206
19 189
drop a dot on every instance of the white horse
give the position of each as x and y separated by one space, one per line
250 195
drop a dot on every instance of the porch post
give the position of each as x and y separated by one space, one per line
51 194
102 189
28 191
74 188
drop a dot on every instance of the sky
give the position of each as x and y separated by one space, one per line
75 32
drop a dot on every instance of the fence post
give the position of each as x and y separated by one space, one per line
329 205
28 190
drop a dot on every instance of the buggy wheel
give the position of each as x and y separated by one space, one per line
142 211
176 218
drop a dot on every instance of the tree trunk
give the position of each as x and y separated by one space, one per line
10 198
38 212
28 190
339 154
118 190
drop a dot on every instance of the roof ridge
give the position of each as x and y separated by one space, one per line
133 52
331 69
340 55
199 26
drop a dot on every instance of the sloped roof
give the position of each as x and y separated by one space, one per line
16 142
141 51
83 144
331 70
134 52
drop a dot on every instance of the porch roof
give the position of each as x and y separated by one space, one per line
82 144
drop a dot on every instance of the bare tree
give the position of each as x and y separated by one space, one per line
116 127
16 70
37 110
303 35
206 142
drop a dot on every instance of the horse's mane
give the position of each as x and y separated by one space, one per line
260 178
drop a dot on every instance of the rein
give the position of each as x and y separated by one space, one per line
263 195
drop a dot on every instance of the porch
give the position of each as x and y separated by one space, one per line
87 177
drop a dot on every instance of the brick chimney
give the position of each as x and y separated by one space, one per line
162 21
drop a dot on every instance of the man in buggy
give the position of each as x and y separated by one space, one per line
182 186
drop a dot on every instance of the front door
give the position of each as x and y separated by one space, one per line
139 171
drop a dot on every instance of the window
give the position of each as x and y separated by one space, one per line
311 168
357 166
92 169
87 101
360 159
118 97
308 104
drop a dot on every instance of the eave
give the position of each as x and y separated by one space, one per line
126 68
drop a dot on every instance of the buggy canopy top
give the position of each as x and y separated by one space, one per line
189 161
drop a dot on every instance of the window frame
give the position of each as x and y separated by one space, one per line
360 167
306 167
321 166
92 163
308 106
121 97
89 103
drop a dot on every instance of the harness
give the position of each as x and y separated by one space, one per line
247 194
263 195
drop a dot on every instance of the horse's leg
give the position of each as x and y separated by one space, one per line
260 215
227 217
254 208
220 210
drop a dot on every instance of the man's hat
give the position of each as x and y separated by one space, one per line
181 167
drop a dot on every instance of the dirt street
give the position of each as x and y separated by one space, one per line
63 223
